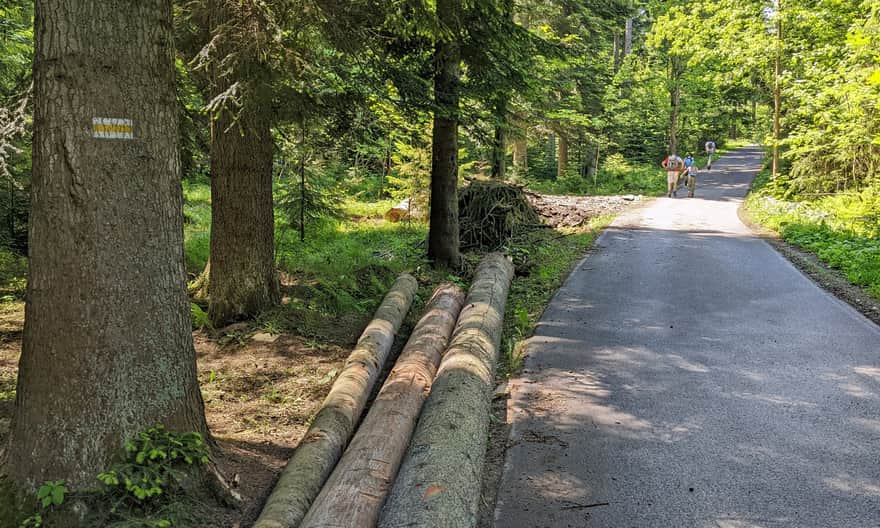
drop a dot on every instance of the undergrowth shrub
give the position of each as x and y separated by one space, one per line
841 229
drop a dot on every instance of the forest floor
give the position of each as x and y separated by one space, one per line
263 381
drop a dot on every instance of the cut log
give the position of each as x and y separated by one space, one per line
321 447
439 480
354 493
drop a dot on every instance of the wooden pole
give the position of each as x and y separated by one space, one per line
354 493
332 428
439 481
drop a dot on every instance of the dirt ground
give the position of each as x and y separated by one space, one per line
260 393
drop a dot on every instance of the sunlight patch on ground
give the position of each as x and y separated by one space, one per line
847 483
871 372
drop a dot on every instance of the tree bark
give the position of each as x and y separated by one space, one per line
675 71
562 157
243 280
520 157
357 488
322 445
499 143
628 37
107 347
439 481
443 241
616 51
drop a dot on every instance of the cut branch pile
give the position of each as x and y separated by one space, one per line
332 428
491 212
575 211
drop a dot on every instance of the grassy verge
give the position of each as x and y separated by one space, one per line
842 230
544 258
334 278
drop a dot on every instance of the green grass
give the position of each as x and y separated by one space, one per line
342 269
616 176
842 229
13 276
545 258
621 176
197 224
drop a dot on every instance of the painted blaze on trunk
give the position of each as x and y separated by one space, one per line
107 346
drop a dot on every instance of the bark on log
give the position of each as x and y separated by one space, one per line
439 481
354 493
332 428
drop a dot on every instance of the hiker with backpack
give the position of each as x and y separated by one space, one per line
673 166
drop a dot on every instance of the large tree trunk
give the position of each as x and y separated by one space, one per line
108 339
443 245
354 493
439 481
322 445
242 281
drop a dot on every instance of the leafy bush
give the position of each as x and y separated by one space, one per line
616 176
13 275
152 464
200 319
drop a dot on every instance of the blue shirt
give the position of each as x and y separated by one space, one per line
688 161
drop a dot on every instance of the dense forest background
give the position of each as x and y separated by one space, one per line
563 97
325 146
576 89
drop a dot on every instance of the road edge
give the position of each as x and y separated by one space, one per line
829 279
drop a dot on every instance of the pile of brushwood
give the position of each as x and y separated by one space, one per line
490 213
416 458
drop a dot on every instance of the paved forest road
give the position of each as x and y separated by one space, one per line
689 376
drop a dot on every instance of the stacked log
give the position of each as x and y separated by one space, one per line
320 449
439 480
354 493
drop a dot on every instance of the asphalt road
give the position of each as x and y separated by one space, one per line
686 375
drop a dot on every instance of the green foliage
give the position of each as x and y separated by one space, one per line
13 273
617 176
304 192
832 92
842 229
152 464
197 224
200 318
51 493
543 259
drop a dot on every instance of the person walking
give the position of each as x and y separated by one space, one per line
710 151
691 179
688 163
673 165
